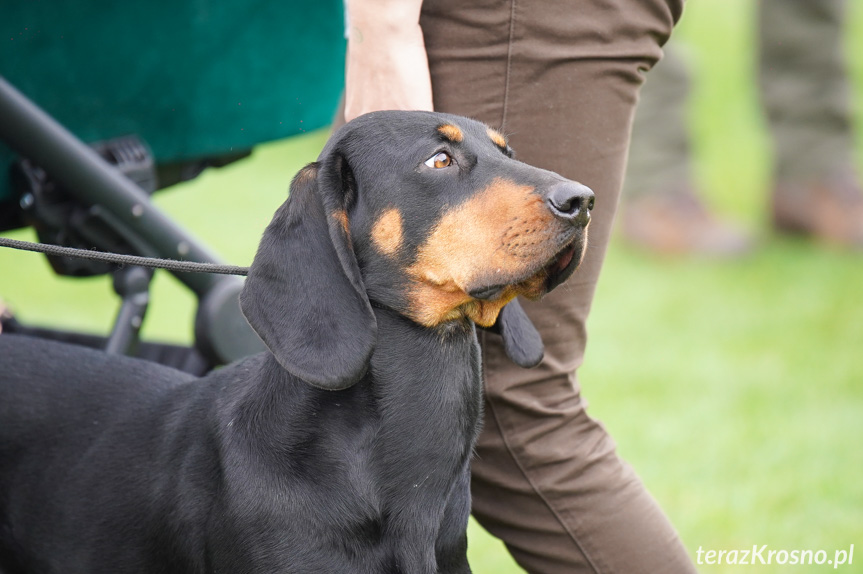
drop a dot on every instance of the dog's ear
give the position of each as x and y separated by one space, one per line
521 340
304 295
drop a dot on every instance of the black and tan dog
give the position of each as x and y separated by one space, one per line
345 448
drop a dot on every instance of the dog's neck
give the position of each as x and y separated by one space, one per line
429 380
399 441
422 396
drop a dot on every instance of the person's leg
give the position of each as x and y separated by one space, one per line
660 154
561 80
661 209
804 86
805 92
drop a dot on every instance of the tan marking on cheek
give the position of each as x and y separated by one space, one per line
472 243
341 216
451 132
496 137
387 232
468 240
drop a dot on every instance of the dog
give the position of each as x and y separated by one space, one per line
344 448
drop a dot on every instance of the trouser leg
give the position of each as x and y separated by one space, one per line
660 152
561 80
663 210
804 87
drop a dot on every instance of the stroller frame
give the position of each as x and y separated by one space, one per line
221 332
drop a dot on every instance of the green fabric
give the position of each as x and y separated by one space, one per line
193 78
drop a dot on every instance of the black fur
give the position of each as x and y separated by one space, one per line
344 450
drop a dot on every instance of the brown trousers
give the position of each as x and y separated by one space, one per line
561 79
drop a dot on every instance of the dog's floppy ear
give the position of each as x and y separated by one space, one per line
521 340
304 296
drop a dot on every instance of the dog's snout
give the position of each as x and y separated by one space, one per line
572 201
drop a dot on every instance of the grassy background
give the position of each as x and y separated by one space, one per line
734 388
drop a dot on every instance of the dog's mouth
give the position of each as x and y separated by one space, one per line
562 265
551 274
438 301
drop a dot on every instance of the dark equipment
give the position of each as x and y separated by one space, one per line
132 105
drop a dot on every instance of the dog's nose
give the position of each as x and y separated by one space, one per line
572 201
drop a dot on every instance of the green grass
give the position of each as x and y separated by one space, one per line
734 388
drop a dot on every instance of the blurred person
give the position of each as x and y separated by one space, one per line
805 94
561 80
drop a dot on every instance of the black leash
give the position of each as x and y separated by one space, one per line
151 262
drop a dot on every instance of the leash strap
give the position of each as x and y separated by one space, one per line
151 262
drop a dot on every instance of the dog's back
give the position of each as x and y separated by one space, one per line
84 443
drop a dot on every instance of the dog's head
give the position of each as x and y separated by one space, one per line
426 214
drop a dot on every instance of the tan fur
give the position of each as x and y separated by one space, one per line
451 132
498 236
342 217
497 138
387 232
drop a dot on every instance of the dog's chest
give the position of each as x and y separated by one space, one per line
428 391
374 475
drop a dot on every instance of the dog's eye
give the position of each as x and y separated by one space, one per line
439 160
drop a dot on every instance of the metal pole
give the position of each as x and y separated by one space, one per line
220 328
37 136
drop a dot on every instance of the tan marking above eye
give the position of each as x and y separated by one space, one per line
387 232
497 138
451 132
